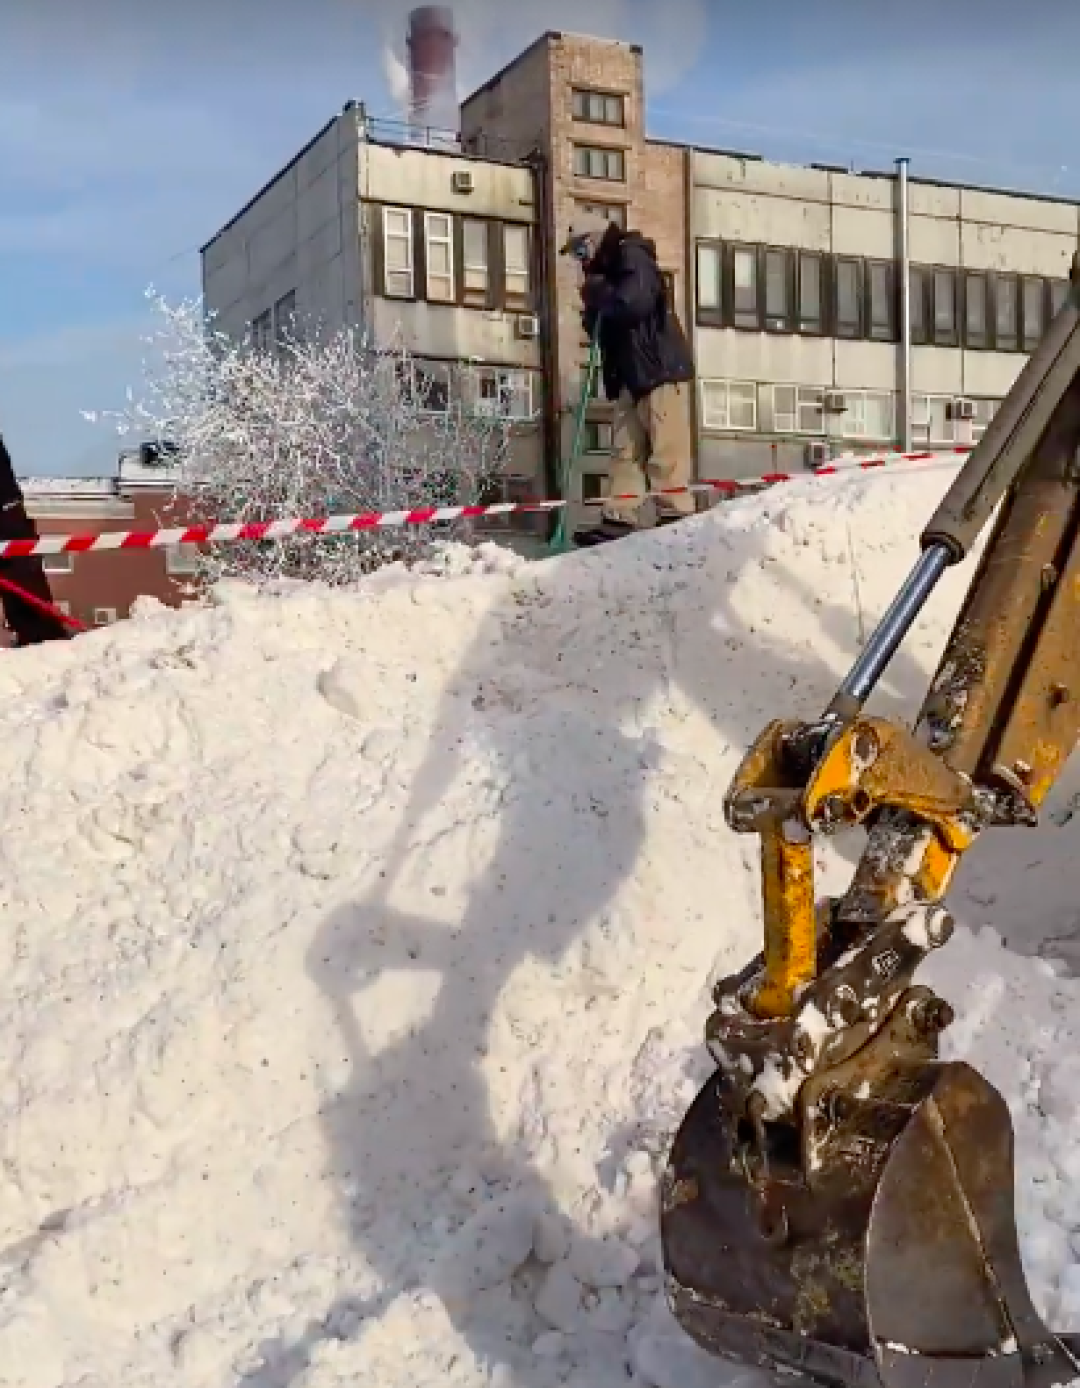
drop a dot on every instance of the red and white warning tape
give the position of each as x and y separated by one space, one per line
423 515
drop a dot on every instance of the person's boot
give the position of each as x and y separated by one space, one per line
607 530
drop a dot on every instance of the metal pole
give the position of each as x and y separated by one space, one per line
904 249
890 631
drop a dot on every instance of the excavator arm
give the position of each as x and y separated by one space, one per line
838 1200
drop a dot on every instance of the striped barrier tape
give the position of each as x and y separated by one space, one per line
233 533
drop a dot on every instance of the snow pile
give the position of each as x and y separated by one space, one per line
356 950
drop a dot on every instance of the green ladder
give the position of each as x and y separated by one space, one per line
560 542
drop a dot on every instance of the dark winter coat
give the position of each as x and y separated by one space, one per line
642 343
28 623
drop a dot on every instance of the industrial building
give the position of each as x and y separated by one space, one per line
830 311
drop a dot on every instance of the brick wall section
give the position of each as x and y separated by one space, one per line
533 98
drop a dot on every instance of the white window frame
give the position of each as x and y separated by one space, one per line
604 430
182 561
921 421
406 275
716 412
58 563
513 385
105 616
852 423
441 238
517 280
472 267
807 412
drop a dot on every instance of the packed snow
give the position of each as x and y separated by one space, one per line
356 950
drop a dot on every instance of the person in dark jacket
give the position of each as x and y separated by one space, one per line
27 623
647 366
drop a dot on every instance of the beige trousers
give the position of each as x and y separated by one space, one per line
649 453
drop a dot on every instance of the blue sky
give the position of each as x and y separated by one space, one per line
128 138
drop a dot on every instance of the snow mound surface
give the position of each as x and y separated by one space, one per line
356 951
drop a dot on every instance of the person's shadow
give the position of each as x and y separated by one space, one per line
555 737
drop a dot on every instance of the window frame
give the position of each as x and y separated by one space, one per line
58 563
1052 288
926 397
1013 340
889 330
604 209
262 331
525 378
450 273
734 317
920 293
605 96
977 342
1028 344
602 481
781 322
593 447
409 238
469 296
802 325
797 430
514 299
727 428
608 151
709 315
856 330
845 431
942 337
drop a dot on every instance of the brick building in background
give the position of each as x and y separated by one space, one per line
100 588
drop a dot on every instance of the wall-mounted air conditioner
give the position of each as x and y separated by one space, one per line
835 402
961 409
528 325
817 453
461 180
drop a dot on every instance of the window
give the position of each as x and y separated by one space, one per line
597 381
920 304
598 436
475 259
439 256
613 211
504 394
58 563
594 486
595 161
182 560
779 289
398 270
880 282
798 409
599 108
1034 312
104 616
709 280
262 332
516 260
729 404
1059 292
744 287
945 324
931 420
976 315
427 385
1006 313
811 295
848 307
985 410
285 319
870 414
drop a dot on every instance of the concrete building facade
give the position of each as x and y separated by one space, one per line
788 279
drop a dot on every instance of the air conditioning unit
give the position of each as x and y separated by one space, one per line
961 409
835 402
528 325
461 180
817 453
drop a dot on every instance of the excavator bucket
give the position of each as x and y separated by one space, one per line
890 1260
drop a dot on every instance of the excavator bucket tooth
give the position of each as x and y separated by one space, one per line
889 1260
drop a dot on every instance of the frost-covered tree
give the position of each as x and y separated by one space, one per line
311 427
